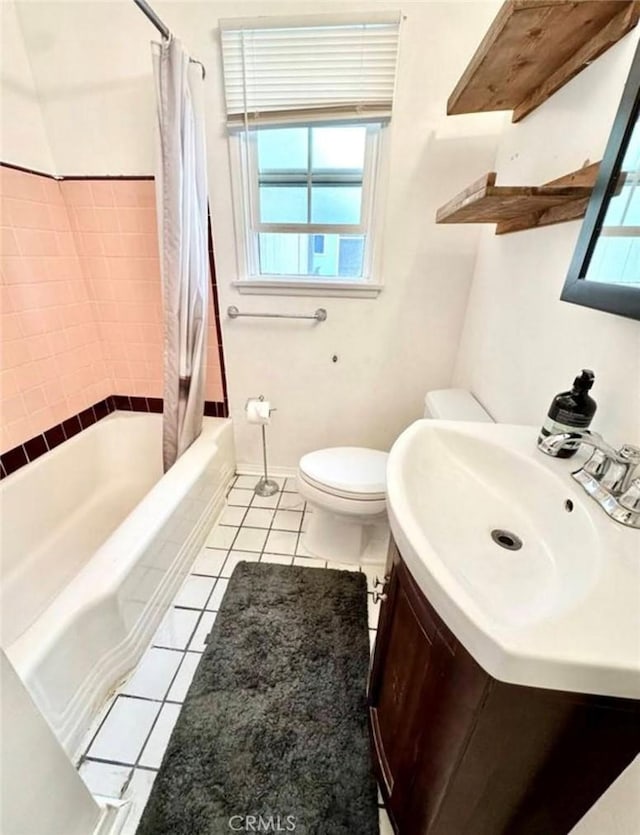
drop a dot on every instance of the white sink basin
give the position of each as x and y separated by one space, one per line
561 611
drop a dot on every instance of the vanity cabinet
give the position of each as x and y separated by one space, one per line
458 751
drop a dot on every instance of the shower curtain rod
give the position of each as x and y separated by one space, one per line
164 30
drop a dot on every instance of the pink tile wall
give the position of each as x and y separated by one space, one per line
81 299
53 363
114 225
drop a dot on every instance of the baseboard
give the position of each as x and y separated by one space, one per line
276 472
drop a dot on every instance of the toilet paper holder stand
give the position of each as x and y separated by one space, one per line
265 486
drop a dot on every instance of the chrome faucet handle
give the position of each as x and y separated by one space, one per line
630 499
630 452
597 464
620 469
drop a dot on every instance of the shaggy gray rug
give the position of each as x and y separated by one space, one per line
273 733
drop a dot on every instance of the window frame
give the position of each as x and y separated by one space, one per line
244 177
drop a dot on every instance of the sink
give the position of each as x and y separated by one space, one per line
529 573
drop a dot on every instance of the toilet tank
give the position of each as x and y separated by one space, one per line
454 404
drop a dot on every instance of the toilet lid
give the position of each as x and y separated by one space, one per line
348 469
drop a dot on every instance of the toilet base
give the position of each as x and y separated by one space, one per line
331 537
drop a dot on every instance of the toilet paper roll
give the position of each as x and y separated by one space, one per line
258 411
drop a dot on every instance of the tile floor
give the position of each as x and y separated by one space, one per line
124 752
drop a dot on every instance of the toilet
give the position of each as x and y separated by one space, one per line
346 486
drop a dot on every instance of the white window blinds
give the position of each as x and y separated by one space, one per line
282 72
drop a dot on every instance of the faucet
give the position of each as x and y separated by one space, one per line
609 475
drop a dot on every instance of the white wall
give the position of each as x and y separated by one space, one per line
92 68
23 139
520 343
41 790
392 349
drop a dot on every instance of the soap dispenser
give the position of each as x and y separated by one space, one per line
570 410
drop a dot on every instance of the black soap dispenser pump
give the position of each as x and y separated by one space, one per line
570 410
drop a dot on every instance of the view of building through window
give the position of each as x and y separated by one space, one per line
311 178
616 257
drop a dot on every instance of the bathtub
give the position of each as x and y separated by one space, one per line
95 542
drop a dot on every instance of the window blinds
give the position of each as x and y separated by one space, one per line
283 72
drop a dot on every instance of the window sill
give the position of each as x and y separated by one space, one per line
284 287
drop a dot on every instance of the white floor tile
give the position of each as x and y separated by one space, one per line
281 542
290 485
176 628
209 561
235 557
246 482
204 627
266 501
124 731
195 592
385 823
373 610
232 516
153 675
287 520
258 517
218 593
104 779
372 639
310 562
343 566
221 537
250 539
138 793
240 498
154 749
182 681
279 559
291 501
301 548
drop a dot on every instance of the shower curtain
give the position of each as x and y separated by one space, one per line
181 199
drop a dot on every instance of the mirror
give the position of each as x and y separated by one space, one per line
605 270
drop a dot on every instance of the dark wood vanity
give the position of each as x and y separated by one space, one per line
458 751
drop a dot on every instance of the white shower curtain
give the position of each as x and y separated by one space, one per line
181 198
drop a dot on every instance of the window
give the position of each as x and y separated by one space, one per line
306 111
310 194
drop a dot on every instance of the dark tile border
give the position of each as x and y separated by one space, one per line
28 451
216 312
60 177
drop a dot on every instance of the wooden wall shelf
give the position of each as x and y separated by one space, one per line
515 208
534 47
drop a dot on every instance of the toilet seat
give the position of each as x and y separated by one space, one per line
346 488
353 473
342 494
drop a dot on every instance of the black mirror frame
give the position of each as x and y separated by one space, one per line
611 298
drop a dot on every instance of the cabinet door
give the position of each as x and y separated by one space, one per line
403 657
423 700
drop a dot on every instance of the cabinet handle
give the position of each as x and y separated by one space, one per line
378 597
381 583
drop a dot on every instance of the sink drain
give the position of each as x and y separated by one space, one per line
506 539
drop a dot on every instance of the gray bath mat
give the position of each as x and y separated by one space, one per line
273 733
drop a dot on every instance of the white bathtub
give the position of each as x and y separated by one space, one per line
95 542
